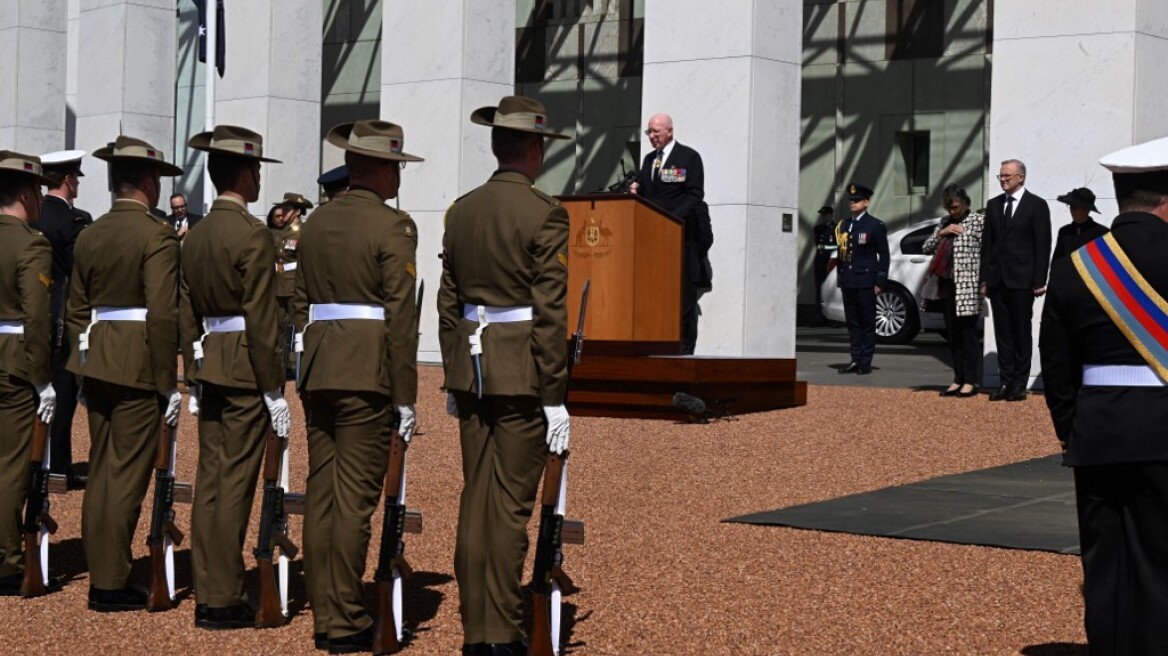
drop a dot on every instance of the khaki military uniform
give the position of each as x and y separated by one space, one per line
25 262
287 243
127 259
356 250
228 270
505 246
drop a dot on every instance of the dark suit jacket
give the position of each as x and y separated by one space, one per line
1015 252
1103 425
61 224
864 262
192 220
680 191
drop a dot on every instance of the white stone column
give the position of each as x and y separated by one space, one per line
272 86
1069 87
72 63
32 75
441 60
125 83
729 75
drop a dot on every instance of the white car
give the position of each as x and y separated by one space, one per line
898 308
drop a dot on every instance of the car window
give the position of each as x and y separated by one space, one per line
914 241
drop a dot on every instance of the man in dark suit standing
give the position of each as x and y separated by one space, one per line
672 178
60 223
180 219
1105 372
861 274
1015 254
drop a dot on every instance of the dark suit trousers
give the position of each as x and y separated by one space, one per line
689 317
503 454
964 347
1123 534
123 436
1013 309
860 315
348 453
61 430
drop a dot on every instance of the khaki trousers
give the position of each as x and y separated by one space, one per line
18 404
123 435
348 452
232 426
503 453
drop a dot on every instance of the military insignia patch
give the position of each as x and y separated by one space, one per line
852 189
563 258
409 230
412 269
45 280
863 238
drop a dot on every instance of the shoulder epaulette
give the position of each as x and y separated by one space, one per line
551 200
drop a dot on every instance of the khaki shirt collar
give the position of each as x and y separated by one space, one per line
130 205
505 175
8 218
233 200
366 194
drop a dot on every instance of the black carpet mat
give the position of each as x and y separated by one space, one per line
1024 505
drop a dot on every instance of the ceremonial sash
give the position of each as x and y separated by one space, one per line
1133 305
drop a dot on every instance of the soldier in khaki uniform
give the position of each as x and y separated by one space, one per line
354 306
504 278
123 317
228 317
25 263
284 221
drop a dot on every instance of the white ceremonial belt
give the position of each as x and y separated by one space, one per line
1120 375
497 314
11 328
341 311
233 324
290 266
119 314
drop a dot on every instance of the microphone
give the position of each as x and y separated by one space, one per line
691 405
627 178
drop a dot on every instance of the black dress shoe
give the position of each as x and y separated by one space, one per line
320 641
970 393
864 370
1016 395
1000 394
130 597
850 369
477 649
10 585
238 616
953 391
351 644
517 648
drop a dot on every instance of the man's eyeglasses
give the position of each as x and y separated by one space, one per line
649 133
1007 177
175 208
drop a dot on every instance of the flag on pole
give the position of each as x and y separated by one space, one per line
220 35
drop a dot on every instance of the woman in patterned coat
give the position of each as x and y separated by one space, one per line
956 249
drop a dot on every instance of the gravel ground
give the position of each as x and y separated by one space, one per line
659 573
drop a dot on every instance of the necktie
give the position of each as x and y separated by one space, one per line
657 166
1009 207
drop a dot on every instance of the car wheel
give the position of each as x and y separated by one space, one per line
897 321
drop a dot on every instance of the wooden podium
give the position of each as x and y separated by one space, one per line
631 250
633 253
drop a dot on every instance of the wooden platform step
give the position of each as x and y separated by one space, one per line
643 387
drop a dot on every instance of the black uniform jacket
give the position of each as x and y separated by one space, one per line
865 262
1072 236
1015 251
61 224
1103 425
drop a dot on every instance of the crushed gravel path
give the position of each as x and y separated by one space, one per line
660 574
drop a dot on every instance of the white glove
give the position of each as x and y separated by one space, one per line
451 405
193 405
173 406
409 422
278 408
557 435
48 403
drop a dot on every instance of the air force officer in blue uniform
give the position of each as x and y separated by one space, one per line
861 274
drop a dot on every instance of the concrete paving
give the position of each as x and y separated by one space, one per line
922 364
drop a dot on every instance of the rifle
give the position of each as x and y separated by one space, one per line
392 567
273 607
38 524
164 535
548 580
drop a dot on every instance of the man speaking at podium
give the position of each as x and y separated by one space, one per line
671 178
